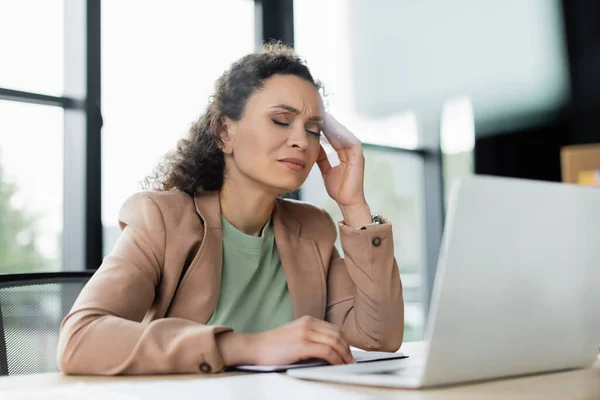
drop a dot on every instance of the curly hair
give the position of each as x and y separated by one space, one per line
198 163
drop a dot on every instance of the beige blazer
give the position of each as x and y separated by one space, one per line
144 310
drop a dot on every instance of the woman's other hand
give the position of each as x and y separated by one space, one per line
302 339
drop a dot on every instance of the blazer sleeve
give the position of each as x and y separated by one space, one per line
105 333
364 291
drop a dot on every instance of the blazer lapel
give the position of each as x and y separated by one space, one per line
198 292
302 265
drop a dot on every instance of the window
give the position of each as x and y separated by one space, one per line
31 137
31 187
457 134
32 46
156 82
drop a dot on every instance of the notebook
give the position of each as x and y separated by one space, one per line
359 355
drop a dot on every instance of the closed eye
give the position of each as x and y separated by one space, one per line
280 123
286 124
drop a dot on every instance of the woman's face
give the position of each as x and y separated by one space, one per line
276 142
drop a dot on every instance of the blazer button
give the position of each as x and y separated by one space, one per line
205 367
376 241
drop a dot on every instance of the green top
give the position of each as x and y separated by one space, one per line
254 296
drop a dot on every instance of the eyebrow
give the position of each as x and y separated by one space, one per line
296 111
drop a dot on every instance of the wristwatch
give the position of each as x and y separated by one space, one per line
375 220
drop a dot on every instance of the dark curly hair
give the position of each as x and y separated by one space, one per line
198 163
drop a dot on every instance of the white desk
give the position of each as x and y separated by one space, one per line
578 384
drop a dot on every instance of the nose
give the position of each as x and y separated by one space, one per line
298 138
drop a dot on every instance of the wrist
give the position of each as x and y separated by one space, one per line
235 348
356 215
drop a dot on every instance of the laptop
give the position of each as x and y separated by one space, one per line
517 289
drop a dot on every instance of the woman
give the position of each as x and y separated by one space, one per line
214 269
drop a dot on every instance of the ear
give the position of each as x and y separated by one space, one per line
224 132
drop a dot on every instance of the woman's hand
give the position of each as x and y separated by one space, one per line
345 182
302 339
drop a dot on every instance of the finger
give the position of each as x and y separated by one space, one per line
322 351
337 130
347 146
320 325
337 134
324 326
332 329
323 162
335 340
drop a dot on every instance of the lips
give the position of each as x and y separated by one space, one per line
293 163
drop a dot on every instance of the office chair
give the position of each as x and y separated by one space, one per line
32 307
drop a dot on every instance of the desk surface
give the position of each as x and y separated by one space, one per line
577 384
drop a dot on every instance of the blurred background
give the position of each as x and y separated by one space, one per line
94 92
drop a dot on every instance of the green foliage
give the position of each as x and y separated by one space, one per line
17 235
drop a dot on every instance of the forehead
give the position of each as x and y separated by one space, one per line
289 90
